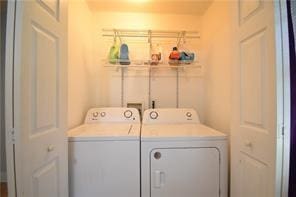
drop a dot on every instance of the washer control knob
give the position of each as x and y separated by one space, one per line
103 114
95 114
128 114
189 114
153 115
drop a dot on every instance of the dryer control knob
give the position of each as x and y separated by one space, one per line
95 114
103 114
189 114
128 113
153 115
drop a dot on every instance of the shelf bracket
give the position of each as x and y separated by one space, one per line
150 41
149 88
177 88
149 36
181 37
184 37
114 37
116 34
122 87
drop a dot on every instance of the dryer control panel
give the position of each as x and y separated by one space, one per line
170 115
112 114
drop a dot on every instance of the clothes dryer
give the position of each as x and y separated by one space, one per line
182 157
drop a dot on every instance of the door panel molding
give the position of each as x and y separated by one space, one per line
255 170
44 72
252 63
51 172
247 9
51 7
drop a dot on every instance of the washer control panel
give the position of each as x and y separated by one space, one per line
170 115
99 115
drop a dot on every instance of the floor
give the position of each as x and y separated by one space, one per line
3 190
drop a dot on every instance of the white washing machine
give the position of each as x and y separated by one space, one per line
181 157
104 154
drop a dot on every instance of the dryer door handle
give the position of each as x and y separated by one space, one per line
159 179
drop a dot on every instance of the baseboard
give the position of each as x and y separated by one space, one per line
3 177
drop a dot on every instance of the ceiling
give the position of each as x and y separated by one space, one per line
191 7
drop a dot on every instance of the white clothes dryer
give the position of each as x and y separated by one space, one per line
181 157
104 154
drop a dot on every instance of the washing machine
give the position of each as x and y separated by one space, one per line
104 154
180 157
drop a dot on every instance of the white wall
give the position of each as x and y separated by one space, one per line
163 83
217 41
91 84
80 62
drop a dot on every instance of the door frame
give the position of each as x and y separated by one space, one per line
283 97
9 98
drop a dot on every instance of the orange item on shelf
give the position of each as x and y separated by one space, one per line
175 54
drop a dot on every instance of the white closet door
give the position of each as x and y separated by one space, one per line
40 98
254 128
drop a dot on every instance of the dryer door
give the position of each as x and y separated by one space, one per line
186 172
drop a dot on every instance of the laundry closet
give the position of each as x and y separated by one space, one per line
203 87
218 62
220 66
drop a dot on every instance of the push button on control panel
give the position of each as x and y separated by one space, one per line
128 114
153 115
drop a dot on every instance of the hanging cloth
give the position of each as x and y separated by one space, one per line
114 51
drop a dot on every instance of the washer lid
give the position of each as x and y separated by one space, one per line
105 132
179 132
